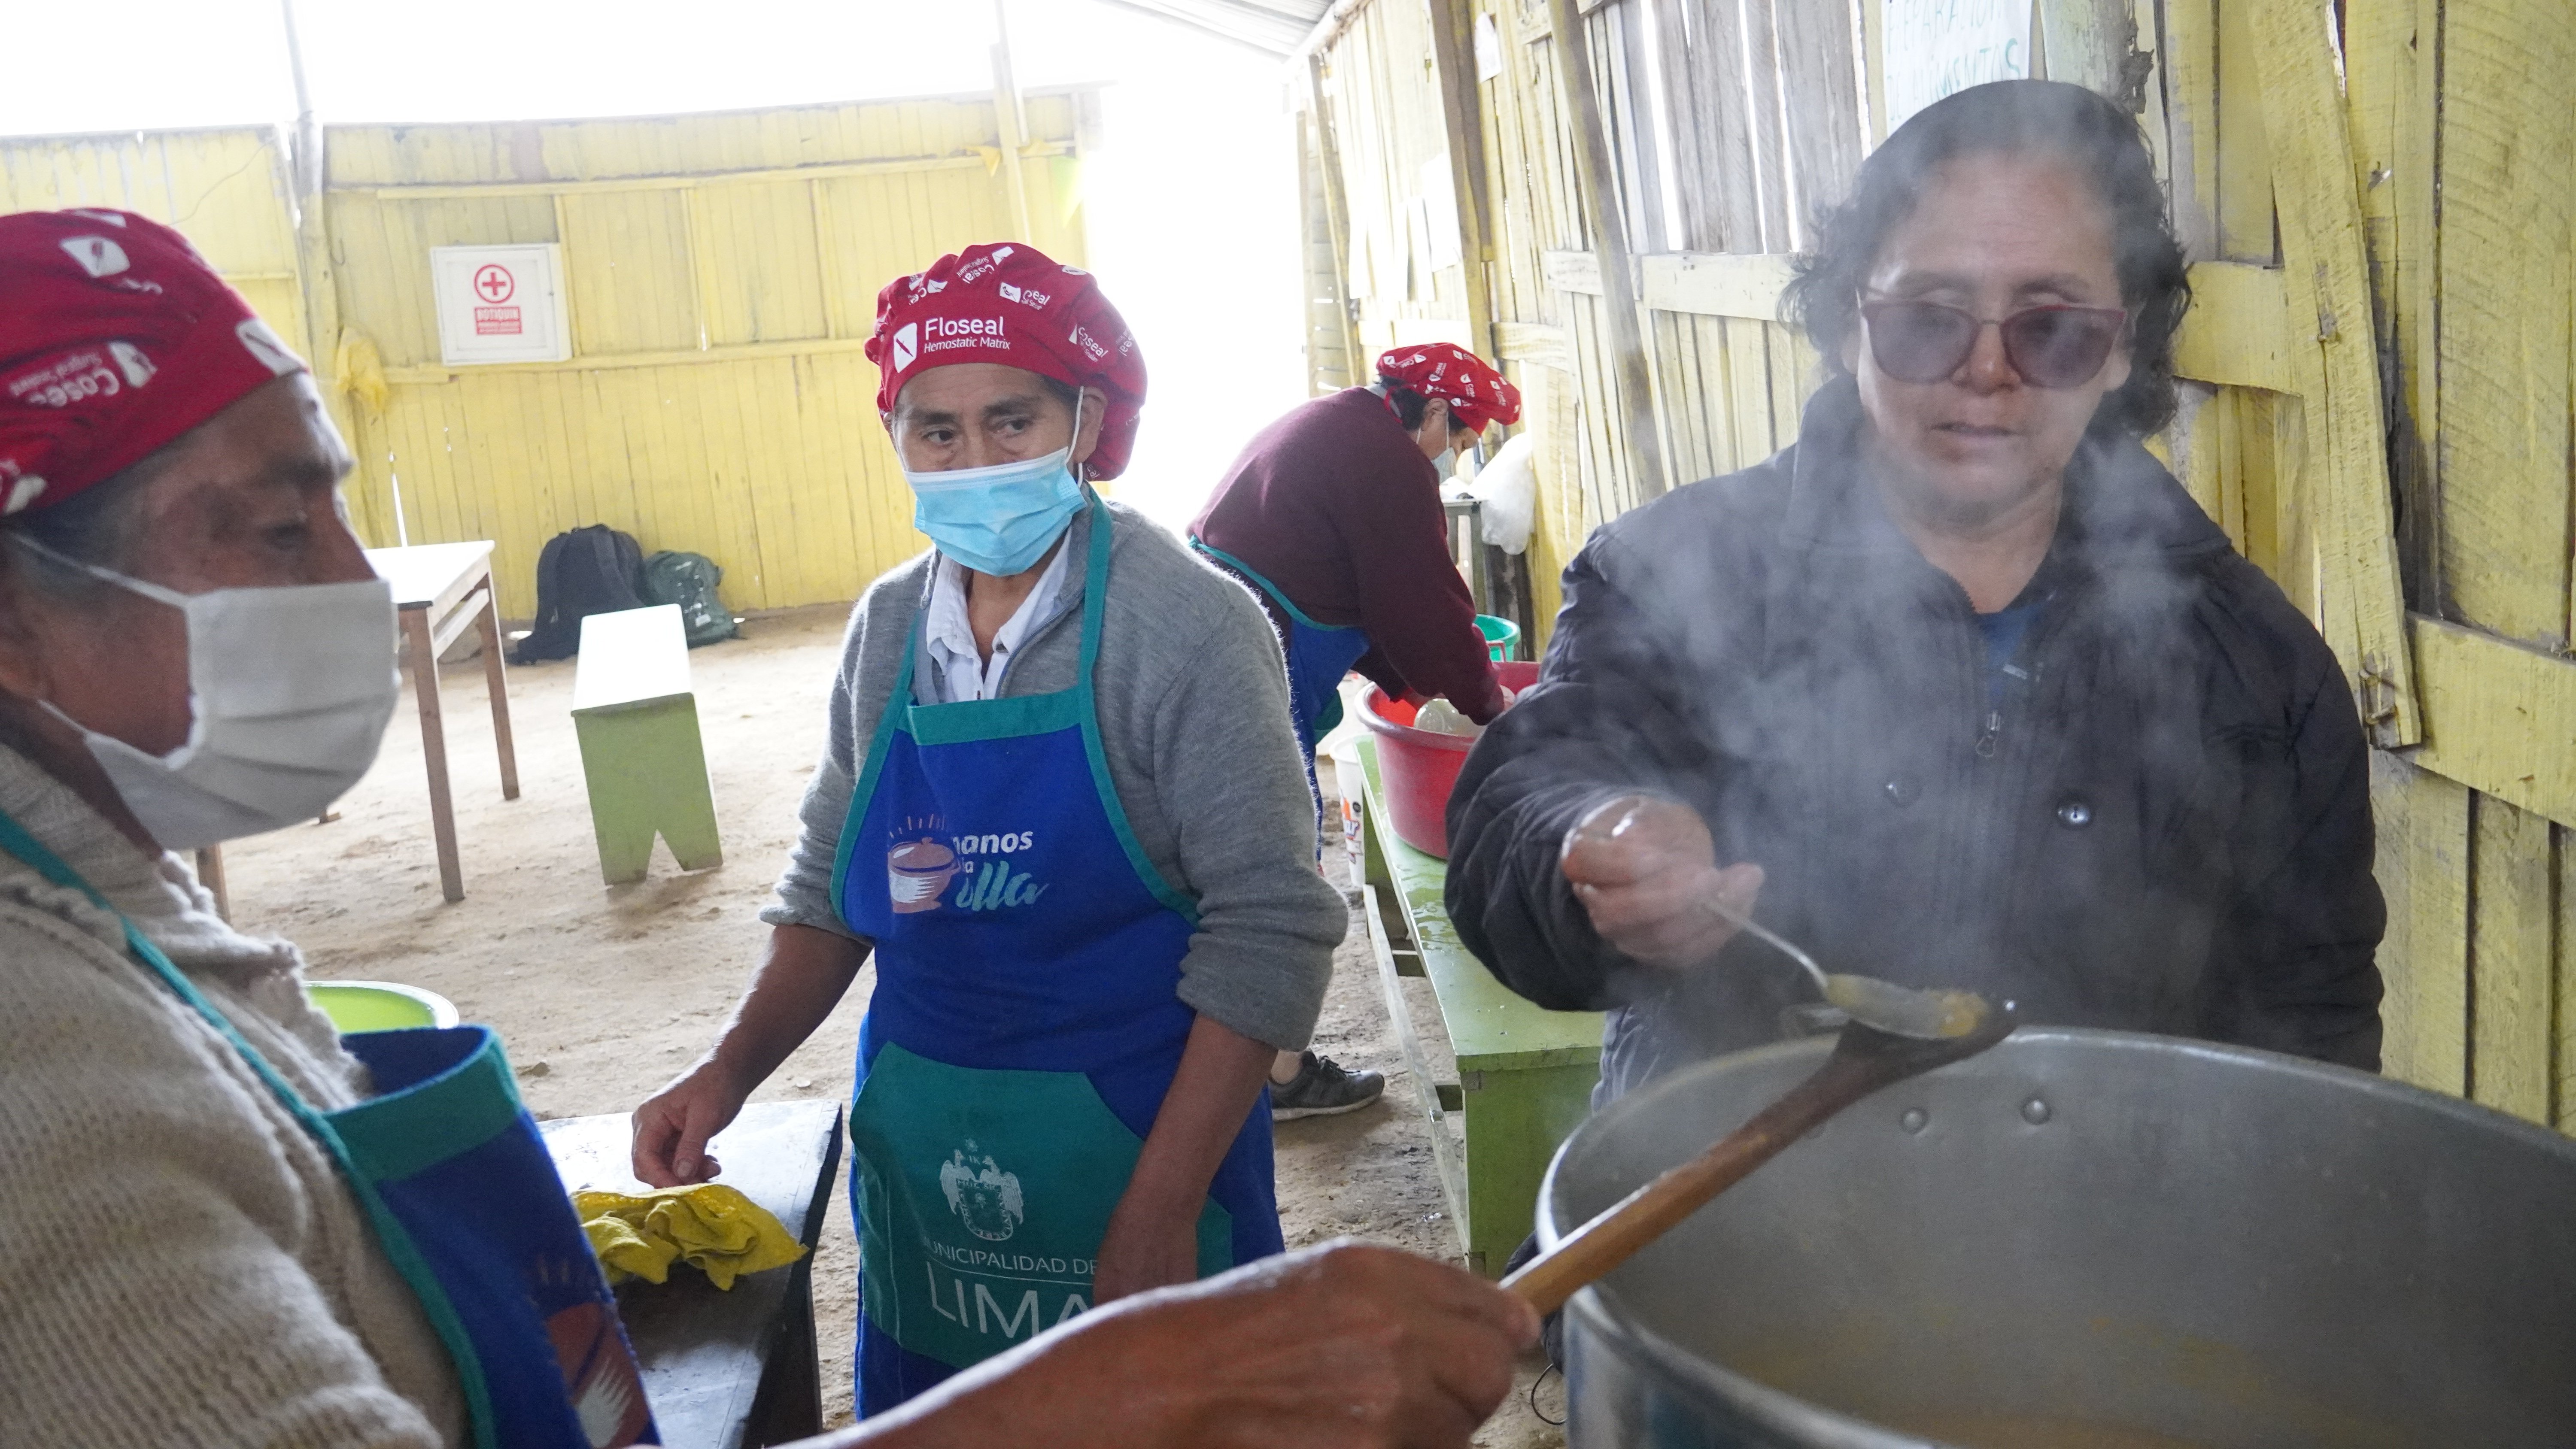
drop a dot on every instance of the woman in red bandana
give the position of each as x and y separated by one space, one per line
1332 514
1062 811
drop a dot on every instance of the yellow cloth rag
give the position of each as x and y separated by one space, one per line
711 1225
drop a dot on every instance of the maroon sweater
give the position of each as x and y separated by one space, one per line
1339 510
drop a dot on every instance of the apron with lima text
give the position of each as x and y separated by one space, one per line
1024 1026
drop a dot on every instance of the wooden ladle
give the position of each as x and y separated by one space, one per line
1864 1059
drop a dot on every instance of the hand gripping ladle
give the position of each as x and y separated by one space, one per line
1894 1033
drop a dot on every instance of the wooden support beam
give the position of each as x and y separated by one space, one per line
2336 361
1008 124
2392 92
1717 284
1534 342
1595 175
2508 133
680 181
2495 717
2513 924
1453 56
1337 216
2423 871
2233 334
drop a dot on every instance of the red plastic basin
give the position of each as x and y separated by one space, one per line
1420 767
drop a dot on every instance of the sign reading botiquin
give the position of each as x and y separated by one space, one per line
500 304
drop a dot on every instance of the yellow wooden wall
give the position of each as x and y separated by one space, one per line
722 273
2380 368
226 189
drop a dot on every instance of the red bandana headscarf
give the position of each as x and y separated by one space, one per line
115 338
1006 302
1476 394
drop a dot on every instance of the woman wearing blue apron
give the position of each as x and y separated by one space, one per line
1024 1032
196 650
1061 811
1333 512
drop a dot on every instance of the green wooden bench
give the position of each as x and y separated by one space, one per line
640 750
1524 1075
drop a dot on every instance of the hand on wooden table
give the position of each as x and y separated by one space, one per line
673 1125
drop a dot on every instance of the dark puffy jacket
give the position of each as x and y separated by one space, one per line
2164 827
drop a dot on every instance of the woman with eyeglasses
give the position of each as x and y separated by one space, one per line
1960 689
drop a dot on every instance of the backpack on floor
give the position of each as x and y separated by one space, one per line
689 580
593 570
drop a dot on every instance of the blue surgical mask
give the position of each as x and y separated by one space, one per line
1001 519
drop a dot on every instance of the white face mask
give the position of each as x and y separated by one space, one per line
290 689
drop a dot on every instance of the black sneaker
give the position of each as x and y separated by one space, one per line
1322 1088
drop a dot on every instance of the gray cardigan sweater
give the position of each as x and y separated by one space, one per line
1193 703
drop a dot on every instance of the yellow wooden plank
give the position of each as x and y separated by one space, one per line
2497 717
2260 484
2392 86
2423 871
1717 284
2233 332
2327 276
2245 154
2508 133
2196 457
1534 342
2188 62
1748 387
1788 391
2513 920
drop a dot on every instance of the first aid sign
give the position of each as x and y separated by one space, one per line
500 304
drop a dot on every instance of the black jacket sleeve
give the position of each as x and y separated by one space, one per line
2308 916
1603 721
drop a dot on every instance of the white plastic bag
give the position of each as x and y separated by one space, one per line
1508 487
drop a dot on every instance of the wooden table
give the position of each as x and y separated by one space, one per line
441 589
1525 1074
731 1369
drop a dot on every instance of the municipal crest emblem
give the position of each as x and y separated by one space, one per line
985 1198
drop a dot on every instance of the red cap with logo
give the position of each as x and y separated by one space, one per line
1475 393
115 338
1007 302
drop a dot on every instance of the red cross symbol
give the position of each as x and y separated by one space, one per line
492 282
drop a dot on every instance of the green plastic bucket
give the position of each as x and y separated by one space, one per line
1501 636
379 1005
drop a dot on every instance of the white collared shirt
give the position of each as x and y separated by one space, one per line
963 672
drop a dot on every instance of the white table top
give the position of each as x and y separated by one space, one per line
422 573
630 657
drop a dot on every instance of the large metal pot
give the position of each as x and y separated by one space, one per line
2083 1238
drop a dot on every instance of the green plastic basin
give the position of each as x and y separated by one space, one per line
379 1005
1500 635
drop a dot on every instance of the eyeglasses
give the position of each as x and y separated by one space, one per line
2049 346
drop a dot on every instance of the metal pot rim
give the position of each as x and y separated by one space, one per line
1603 1313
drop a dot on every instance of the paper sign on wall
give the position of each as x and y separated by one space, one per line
1936 47
500 304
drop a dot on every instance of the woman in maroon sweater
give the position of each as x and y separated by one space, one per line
1333 516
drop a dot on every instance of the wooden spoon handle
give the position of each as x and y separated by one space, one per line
1617 1232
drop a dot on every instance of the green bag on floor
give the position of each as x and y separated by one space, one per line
689 580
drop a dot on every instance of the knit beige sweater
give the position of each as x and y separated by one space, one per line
179 1263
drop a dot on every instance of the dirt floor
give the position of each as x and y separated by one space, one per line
604 992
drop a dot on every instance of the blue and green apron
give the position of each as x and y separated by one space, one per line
1025 1025
464 1200
1318 655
